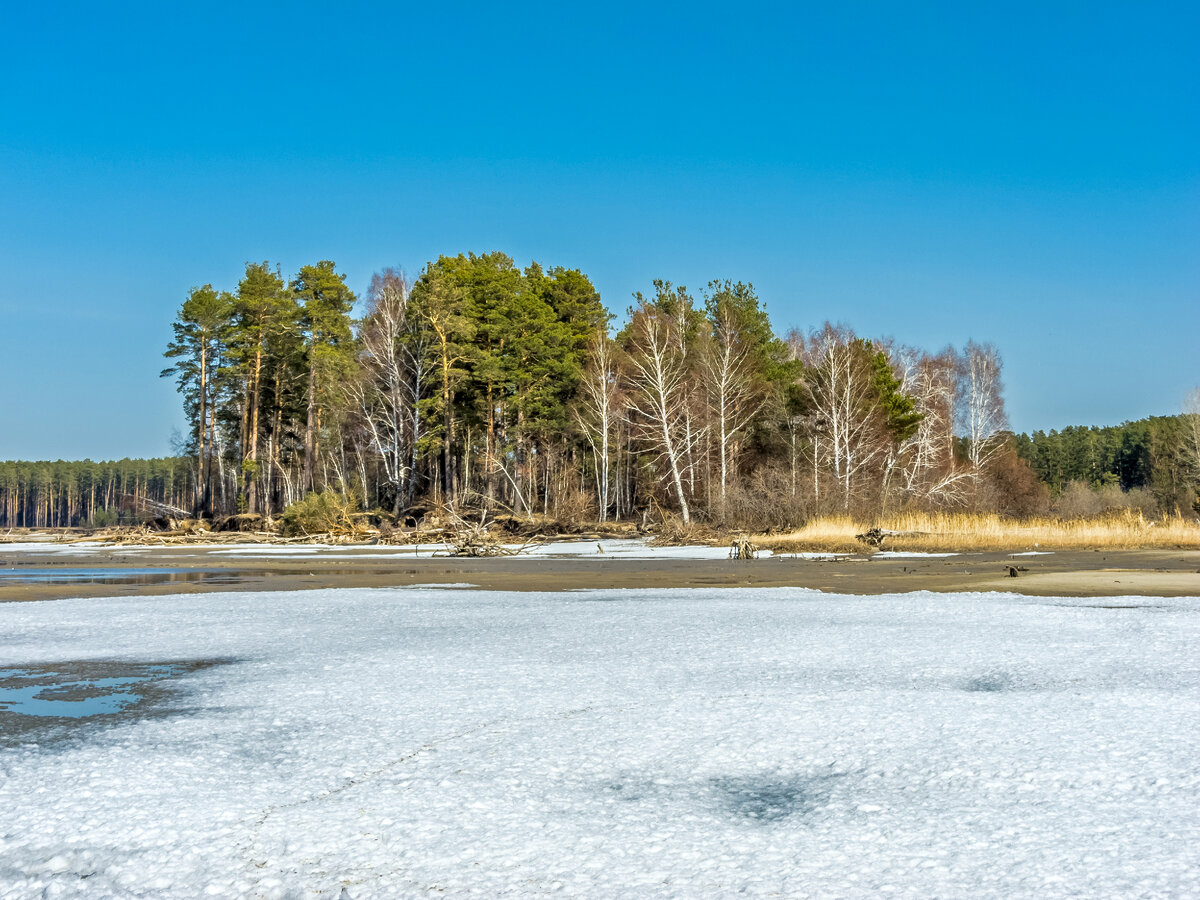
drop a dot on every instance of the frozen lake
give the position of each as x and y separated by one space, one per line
606 744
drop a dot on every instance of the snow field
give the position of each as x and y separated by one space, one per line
618 743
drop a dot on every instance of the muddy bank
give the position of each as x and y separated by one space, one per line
27 575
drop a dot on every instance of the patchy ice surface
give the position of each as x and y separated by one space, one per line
48 547
908 554
630 548
618 743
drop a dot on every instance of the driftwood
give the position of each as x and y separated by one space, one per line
875 537
475 539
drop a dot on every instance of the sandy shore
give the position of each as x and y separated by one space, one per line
31 575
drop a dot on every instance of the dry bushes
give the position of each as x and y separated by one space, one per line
675 533
323 513
1081 500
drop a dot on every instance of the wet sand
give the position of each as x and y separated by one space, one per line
198 569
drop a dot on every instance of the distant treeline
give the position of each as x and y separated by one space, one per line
480 385
1157 454
67 494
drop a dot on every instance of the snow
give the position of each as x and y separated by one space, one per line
676 743
623 548
629 548
1034 553
47 547
908 554
788 554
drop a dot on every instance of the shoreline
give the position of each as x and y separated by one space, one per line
114 571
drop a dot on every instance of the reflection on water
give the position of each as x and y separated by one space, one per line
63 575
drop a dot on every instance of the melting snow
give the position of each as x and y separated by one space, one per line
629 548
908 554
657 743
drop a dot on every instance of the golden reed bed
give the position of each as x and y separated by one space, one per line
1121 530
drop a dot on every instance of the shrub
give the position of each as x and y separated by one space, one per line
319 513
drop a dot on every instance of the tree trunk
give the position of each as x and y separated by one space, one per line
310 428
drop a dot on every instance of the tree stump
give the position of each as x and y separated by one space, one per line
741 548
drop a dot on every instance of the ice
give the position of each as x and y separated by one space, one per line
268 550
681 743
344 551
629 548
48 547
622 548
788 554
908 554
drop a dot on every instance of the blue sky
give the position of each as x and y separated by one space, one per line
1027 174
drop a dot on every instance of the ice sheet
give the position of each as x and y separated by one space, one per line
908 554
613 548
678 743
629 549
47 547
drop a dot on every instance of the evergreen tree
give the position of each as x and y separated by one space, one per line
325 304
202 330
264 310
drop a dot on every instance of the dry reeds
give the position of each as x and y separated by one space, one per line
1118 530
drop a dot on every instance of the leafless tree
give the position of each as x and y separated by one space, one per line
1191 418
396 365
601 406
660 393
849 437
733 392
982 419
925 461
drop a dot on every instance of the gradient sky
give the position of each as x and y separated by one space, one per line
1027 174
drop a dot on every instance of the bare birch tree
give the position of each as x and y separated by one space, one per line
601 406
660 392
925 460
982 418
849 434
397 364
1191 424
731 366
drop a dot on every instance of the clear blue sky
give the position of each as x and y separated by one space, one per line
1024 173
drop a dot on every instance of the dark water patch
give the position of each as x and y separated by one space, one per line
772 798
762 798
991 683
64 575
46 703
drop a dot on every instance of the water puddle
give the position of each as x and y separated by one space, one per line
44 703
64 575
47 693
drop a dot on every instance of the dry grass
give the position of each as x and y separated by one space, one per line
1118 530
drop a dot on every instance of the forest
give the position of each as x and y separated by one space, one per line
482 386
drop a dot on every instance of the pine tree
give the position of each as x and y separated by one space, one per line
202 331
325 304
